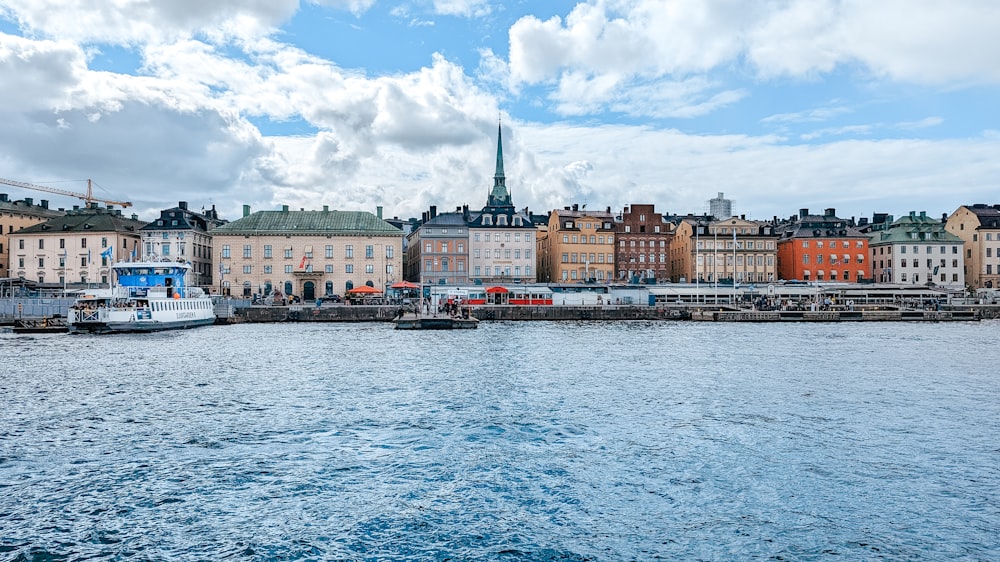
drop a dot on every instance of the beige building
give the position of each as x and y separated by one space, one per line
306 253
15 215
733 249
979 228
78 247
580 246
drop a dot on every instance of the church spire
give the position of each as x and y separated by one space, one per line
499 196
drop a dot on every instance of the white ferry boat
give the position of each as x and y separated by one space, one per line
147 297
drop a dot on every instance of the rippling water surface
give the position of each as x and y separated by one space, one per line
517 441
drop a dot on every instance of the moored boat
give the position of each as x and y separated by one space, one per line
147 297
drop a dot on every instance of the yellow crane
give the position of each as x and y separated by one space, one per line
88 197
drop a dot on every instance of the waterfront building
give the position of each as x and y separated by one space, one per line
15 215
306 253
686 232
737 250
77 247
916 249
822 248
181 234
642 245
581 245
978 226
437 251
501 238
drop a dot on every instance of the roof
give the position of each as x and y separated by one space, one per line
914 229
309 222
819 226
86 220
988 215
24 208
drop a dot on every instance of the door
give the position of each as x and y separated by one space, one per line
308 291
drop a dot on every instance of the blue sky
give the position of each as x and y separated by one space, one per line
780 104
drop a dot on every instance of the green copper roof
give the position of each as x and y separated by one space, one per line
499 196
309 222
914 229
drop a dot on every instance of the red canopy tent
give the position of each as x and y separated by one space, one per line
404 285
364 290
496 290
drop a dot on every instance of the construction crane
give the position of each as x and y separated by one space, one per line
88 197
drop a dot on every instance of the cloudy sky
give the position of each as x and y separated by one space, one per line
864 106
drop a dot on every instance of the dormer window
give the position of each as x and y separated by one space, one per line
502 220
517 221
487 220
569 224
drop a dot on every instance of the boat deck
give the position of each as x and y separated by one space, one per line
411 321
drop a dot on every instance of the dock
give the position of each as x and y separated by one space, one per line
39 326
410 321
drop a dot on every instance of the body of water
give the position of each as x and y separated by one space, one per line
516 441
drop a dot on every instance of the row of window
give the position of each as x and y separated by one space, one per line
916 249
573 257
642 258
834 258
348 268
728 245
84 262
586 225
62 243
916 277
390 252
506 271
502 220
642 243
506 253
834 275
833 244
574 274
583 239
750 260
485 237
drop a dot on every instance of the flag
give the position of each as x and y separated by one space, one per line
222 270
106 254
302 264
88 256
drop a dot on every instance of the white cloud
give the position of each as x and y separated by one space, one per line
463 8
604 46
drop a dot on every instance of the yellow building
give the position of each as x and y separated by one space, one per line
306 253
580 246
979 228
15 215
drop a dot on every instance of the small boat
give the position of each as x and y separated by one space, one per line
148 297
411 321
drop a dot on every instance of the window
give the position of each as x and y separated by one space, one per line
328 252
267 269
165 248
41 243
475 253
288 269
349 268
428 247
369 251
461 248
390 252
902 249
369 268
41 262
328 268
20 244
247 251
349 252
565 257
288 253
487 220
246 269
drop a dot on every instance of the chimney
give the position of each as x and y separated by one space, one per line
944 217
3 197
923 214
76 207
284 208
246 211
44 203
803 213
434 212
831 212
135 217
743 217
378 211
183 205
913 214
576 207
29 201
326 208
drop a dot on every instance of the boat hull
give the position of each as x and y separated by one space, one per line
137 326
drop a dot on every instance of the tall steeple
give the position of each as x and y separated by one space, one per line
499 196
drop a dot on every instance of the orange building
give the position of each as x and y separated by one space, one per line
822 248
